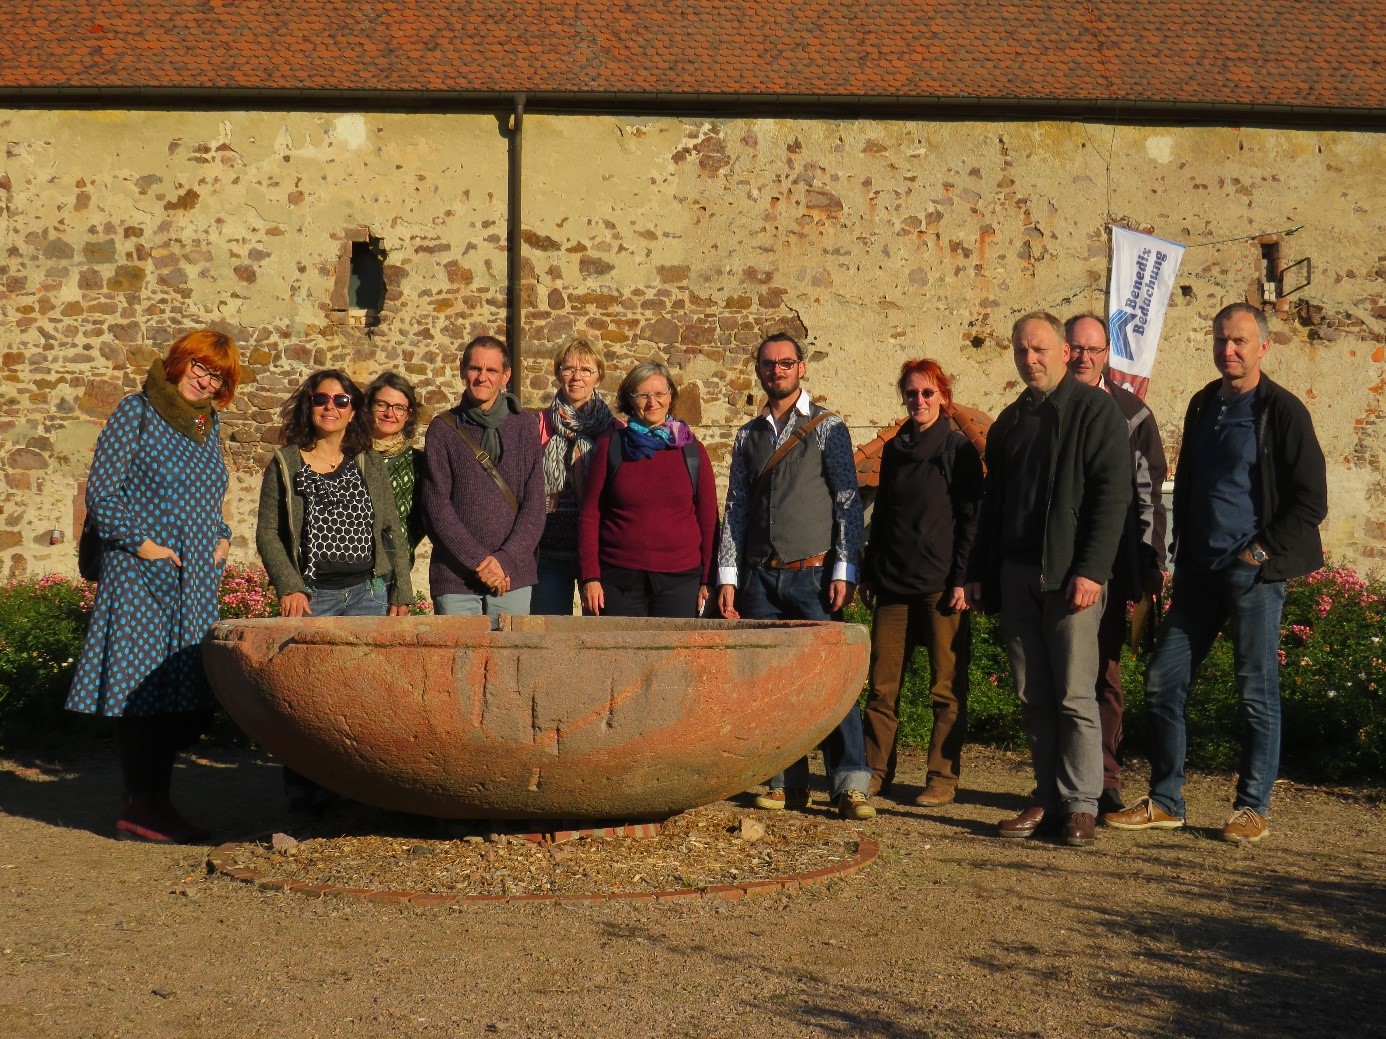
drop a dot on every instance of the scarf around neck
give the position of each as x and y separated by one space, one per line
490 420
194 421
575 431
391 445
639 441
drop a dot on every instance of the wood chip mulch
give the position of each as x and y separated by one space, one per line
714 845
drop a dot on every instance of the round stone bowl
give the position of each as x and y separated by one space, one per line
545 718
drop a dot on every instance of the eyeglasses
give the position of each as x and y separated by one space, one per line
783 364
201 371
341 400
569 370
920 394
649 398
385 408
1087 351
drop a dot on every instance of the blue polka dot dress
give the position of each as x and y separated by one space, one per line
143 650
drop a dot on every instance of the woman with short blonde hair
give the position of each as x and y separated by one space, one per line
568 430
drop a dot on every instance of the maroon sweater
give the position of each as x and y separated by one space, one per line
646 518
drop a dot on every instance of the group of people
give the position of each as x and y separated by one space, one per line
1058 527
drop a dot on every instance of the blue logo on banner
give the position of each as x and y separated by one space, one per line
1116 328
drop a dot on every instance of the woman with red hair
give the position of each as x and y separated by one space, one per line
922 529
155 492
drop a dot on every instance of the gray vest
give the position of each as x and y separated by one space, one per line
793 519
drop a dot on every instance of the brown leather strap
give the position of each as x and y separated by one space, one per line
775 563
797 437
485 461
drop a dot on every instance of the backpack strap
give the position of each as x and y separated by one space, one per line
795 438
484 460
615 455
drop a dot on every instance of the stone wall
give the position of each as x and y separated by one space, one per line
874 240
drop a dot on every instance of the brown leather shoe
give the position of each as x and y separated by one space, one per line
1028 823
1145 814
1080 829
934 795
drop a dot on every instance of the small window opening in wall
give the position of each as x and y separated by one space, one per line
359 290
1271 286
366 287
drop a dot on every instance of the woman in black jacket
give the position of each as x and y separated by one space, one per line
922 529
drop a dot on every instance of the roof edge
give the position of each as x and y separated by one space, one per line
673 103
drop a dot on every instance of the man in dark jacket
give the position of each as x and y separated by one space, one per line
1057 489
1140 565
1249 495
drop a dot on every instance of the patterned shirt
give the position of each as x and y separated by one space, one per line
840 473
338 546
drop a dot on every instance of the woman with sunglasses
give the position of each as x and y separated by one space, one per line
922 529
649 512
155 495
328 530
568 430
393 408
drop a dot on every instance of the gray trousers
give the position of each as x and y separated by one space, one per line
1054 658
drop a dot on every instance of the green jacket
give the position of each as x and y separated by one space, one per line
1088 494
280 523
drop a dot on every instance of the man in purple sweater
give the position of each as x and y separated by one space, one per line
484 495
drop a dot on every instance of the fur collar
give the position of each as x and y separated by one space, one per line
194 421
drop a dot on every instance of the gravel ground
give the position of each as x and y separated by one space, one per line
951 932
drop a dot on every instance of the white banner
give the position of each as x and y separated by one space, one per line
1143 272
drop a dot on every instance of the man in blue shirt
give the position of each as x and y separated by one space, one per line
1249 495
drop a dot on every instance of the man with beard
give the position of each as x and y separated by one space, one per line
791 544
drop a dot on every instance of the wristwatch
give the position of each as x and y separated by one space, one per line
1257 553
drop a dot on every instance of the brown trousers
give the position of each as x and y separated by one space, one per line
898 627
1111 635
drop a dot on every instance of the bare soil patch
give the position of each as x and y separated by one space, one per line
950 932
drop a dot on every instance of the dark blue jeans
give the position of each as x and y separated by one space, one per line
802 595
1204 602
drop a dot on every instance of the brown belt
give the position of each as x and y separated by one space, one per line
774 563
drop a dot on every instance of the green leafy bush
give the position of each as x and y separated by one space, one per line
42 625
1332 684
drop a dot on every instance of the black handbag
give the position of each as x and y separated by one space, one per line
89 551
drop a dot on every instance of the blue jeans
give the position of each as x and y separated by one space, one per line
367 599
553 594
1204 602
768 594
462 604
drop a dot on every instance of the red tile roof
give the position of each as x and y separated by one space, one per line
1282 54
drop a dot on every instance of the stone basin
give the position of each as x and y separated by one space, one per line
546 718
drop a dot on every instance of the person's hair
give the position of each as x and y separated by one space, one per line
1262 325
625 396
780 337
398 383
579 350
297 428
1068 327
486 343
214 351
1038 315
930 369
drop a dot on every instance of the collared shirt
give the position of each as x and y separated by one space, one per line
1225 486
840 474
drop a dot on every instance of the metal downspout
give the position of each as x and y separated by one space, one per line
513 289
